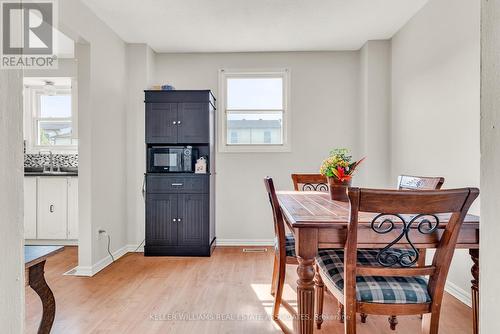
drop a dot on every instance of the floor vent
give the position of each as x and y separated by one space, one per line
254 250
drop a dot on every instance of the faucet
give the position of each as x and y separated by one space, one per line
51 161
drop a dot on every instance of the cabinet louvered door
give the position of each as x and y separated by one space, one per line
194 215
161 123
161 228
193 123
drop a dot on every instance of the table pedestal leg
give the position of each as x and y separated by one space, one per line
37 282
474 254
305 296
306 247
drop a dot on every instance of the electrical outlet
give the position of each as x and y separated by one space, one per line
101 233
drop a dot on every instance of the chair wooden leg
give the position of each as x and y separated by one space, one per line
275 274
363 317
421 263
319 289
341 312
430 323
349 320
280 282
393 321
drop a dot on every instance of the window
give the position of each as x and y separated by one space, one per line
255 111
53 124
267 137
234 137
49 113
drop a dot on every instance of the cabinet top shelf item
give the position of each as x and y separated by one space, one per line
179 96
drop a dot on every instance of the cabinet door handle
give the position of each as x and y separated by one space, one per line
178 219
178 122
176 184
174 122
51 208
174 220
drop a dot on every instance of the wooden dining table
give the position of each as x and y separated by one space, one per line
34 264
318 222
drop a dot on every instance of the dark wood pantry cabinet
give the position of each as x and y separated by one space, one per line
180 207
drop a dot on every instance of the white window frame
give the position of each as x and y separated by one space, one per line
224 74
32 108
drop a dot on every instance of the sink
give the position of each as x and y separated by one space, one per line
33 169
63 171
69 169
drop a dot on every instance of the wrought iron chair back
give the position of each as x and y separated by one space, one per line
310 182
403 214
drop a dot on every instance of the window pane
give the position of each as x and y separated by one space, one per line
255 93
54 133
55 106
245 129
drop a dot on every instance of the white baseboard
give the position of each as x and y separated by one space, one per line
83 271
135 248
244 242
463 295
101 264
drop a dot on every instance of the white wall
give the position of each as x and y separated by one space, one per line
435 102
490 165
11 203
140 64
375 113
102 144
324 109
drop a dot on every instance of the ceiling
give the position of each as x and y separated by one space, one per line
254 25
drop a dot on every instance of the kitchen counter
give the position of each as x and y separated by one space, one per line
51 174
38 171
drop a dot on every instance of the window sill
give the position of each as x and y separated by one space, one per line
254 148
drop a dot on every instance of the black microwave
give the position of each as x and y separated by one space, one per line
171 159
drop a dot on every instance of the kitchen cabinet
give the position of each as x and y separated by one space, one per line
161 123
180 207
192 123
51 208
30 207
177 215
161 219
193 216
178 117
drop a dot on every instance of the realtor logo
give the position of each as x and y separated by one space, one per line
28 34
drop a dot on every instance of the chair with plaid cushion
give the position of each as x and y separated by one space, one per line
410 182
284 249
386 281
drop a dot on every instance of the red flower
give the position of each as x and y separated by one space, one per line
341 175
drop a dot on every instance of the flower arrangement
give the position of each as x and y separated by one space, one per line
339 165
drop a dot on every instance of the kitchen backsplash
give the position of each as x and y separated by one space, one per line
62 160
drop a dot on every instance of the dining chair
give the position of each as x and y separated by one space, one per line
405 182
284 248
386 281
411 182
310 182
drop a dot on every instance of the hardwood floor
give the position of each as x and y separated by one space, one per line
141 295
